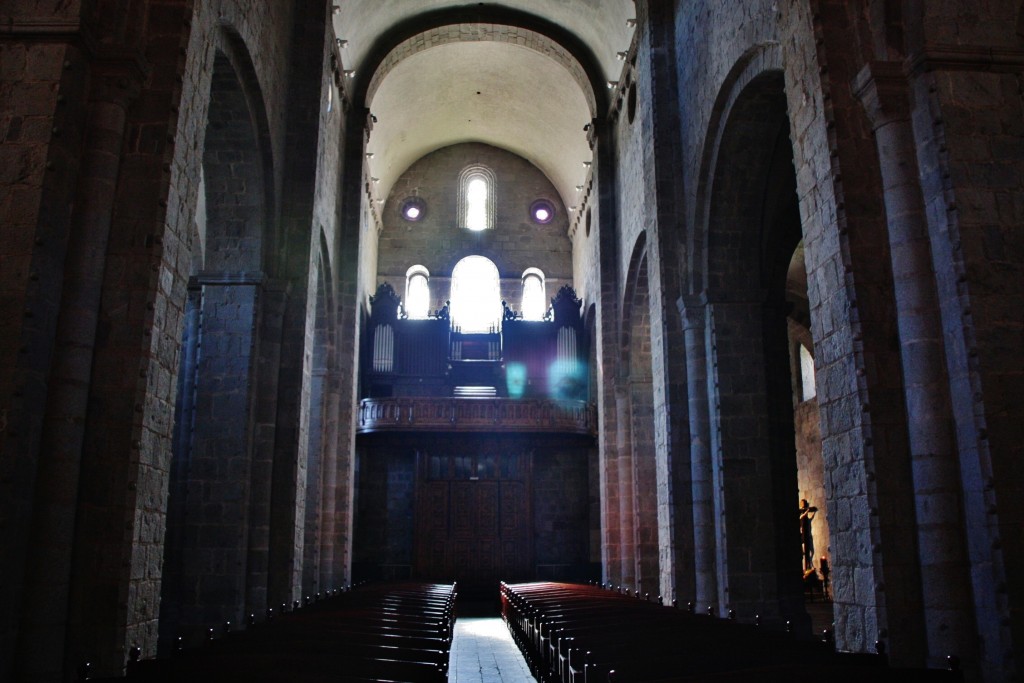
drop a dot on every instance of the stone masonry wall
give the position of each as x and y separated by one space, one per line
514 244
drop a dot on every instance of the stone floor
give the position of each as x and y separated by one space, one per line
483 652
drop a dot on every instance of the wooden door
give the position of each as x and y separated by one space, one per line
473 521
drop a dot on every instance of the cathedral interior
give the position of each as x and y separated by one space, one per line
702 299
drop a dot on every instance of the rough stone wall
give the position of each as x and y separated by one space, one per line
967 125
561 511
858 373
514 244
40 97
141 272
717 38
385 515
337 457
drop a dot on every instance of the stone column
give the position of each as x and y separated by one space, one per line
114 85
949 622
745 479
692 313
627 507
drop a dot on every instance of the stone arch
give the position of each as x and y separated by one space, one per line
637 462
749 229
237 164
319 474
484 23
637 258
207 574
755 62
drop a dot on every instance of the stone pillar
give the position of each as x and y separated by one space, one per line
949 622
220 464
627 507
607 354
876 585
45 85
692 313
967 115
651 533
751 556
274 296
49 569
659 91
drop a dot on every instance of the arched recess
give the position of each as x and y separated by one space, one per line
637 465
320 473
753 227
207 547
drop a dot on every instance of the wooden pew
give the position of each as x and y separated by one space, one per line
381 633
571 633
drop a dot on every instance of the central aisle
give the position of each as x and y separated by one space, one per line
483 652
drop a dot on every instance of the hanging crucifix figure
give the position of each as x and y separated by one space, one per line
806 537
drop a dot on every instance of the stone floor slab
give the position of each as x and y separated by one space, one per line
483 652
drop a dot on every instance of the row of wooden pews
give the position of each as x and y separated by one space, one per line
397 632
571 633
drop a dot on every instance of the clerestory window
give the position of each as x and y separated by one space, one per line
476 198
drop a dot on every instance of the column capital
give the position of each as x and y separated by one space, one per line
882 89
692 310
117 74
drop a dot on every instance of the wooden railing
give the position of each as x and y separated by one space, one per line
476 415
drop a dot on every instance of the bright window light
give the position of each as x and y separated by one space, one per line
417 292
533 294
807 387
476 297
476 204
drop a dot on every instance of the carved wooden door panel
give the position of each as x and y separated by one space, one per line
473 529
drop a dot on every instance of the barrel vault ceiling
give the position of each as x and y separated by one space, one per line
530 100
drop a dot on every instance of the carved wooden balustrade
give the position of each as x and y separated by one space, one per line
476 415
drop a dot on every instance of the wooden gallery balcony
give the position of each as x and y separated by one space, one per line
521 376
476 415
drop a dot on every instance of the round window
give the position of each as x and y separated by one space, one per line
413 209
542 211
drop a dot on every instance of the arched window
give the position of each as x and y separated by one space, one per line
417 292
533 294
476 297
476 198
807 388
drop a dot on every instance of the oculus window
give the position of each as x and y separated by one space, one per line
542 211
413 209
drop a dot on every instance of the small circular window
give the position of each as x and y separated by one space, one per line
588 221
413 209
542 211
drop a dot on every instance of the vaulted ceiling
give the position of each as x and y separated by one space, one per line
523 75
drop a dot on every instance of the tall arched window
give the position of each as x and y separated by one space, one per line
476 198
533 294
417 292
476 297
